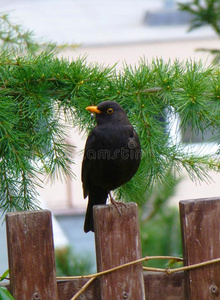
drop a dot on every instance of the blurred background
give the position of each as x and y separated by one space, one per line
109 32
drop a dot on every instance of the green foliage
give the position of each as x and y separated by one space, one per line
159 223
14 36
4 275
70 264
41 97
204 13
4 293
161 236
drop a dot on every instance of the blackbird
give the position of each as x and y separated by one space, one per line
111 157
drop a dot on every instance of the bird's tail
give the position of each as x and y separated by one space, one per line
96 197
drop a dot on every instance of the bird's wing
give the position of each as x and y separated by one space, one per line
87 163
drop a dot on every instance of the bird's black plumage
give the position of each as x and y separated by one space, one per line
111 157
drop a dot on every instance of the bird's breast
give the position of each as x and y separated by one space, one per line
116 156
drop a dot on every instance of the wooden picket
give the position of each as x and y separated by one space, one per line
31 255
32 262
200 222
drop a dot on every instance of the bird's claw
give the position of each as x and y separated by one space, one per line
115 203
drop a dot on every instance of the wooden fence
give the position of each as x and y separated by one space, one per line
32 263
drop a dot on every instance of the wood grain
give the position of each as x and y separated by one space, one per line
31 255
117 242
200 223
165 287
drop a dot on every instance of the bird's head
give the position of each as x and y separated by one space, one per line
109 112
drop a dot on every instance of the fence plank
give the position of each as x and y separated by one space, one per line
200 222
157 286
31 255
117 242
165 287
68 288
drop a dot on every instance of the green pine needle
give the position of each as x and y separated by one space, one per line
42 97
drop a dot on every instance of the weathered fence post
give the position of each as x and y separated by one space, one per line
31 255
118 242
200 222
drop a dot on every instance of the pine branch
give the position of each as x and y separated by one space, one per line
41 97
205 13
12 36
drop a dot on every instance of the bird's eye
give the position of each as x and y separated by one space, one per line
110 111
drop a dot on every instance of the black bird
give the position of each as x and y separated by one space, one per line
111 158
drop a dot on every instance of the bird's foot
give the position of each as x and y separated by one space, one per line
115 203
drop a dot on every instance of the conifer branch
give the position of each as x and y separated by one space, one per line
42 96
13 35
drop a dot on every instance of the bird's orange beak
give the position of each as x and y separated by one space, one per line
94 109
